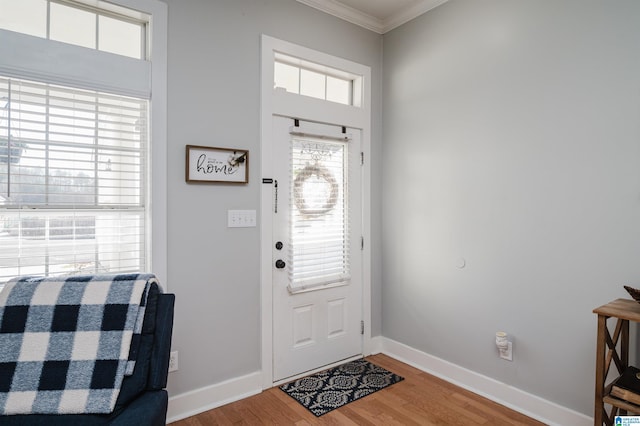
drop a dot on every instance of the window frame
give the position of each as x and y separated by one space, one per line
314 230
301 66
22 56
99 9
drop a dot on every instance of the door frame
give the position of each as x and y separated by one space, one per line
295 106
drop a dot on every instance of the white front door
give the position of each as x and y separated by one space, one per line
317 257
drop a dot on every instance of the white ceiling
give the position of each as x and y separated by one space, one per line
377 15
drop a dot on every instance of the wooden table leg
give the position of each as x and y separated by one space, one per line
600 373
624 345
624 351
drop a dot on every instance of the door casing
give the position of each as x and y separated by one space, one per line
289 105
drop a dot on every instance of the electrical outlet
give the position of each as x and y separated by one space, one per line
508 354
173 361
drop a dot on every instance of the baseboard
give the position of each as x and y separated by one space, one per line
203 399
530 405
197 401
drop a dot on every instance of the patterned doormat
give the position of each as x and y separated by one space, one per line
330 389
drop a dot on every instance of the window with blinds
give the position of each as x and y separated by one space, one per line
72 180
319 248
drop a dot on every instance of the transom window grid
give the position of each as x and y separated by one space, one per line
319 247
79 24
316 81
72 180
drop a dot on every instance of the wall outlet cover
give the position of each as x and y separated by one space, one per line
509 355
173 361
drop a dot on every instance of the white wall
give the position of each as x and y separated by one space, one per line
214 89
511 139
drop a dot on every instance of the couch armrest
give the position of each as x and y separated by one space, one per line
159 367
149 409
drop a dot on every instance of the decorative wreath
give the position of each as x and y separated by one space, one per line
298 190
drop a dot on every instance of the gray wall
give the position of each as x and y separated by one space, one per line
214 100
511 139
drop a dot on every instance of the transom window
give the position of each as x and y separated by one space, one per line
317 81
109 29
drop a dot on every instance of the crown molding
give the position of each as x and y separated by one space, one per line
369 22
347 13
407 14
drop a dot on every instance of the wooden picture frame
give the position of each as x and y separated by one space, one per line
206 164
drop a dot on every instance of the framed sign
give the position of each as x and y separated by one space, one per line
209 164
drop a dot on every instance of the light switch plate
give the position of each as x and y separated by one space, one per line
241 218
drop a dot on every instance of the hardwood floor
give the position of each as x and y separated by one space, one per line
420 399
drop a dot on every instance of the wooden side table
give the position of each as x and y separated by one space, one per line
613 348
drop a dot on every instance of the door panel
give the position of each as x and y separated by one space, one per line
302 321
336 316
317 285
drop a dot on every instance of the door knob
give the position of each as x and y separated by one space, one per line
279 245
280 264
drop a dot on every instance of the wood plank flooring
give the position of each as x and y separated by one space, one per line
420 399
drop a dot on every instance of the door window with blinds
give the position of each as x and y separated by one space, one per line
72 180
319 247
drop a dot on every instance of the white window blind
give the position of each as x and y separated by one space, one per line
319 246
72 180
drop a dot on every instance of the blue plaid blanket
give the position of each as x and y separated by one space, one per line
67 343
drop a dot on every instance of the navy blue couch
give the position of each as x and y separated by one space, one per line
143 399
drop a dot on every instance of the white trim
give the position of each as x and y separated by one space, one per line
405 15
347 13
380 26
266 194
278 102
158 28
209 397
530 405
